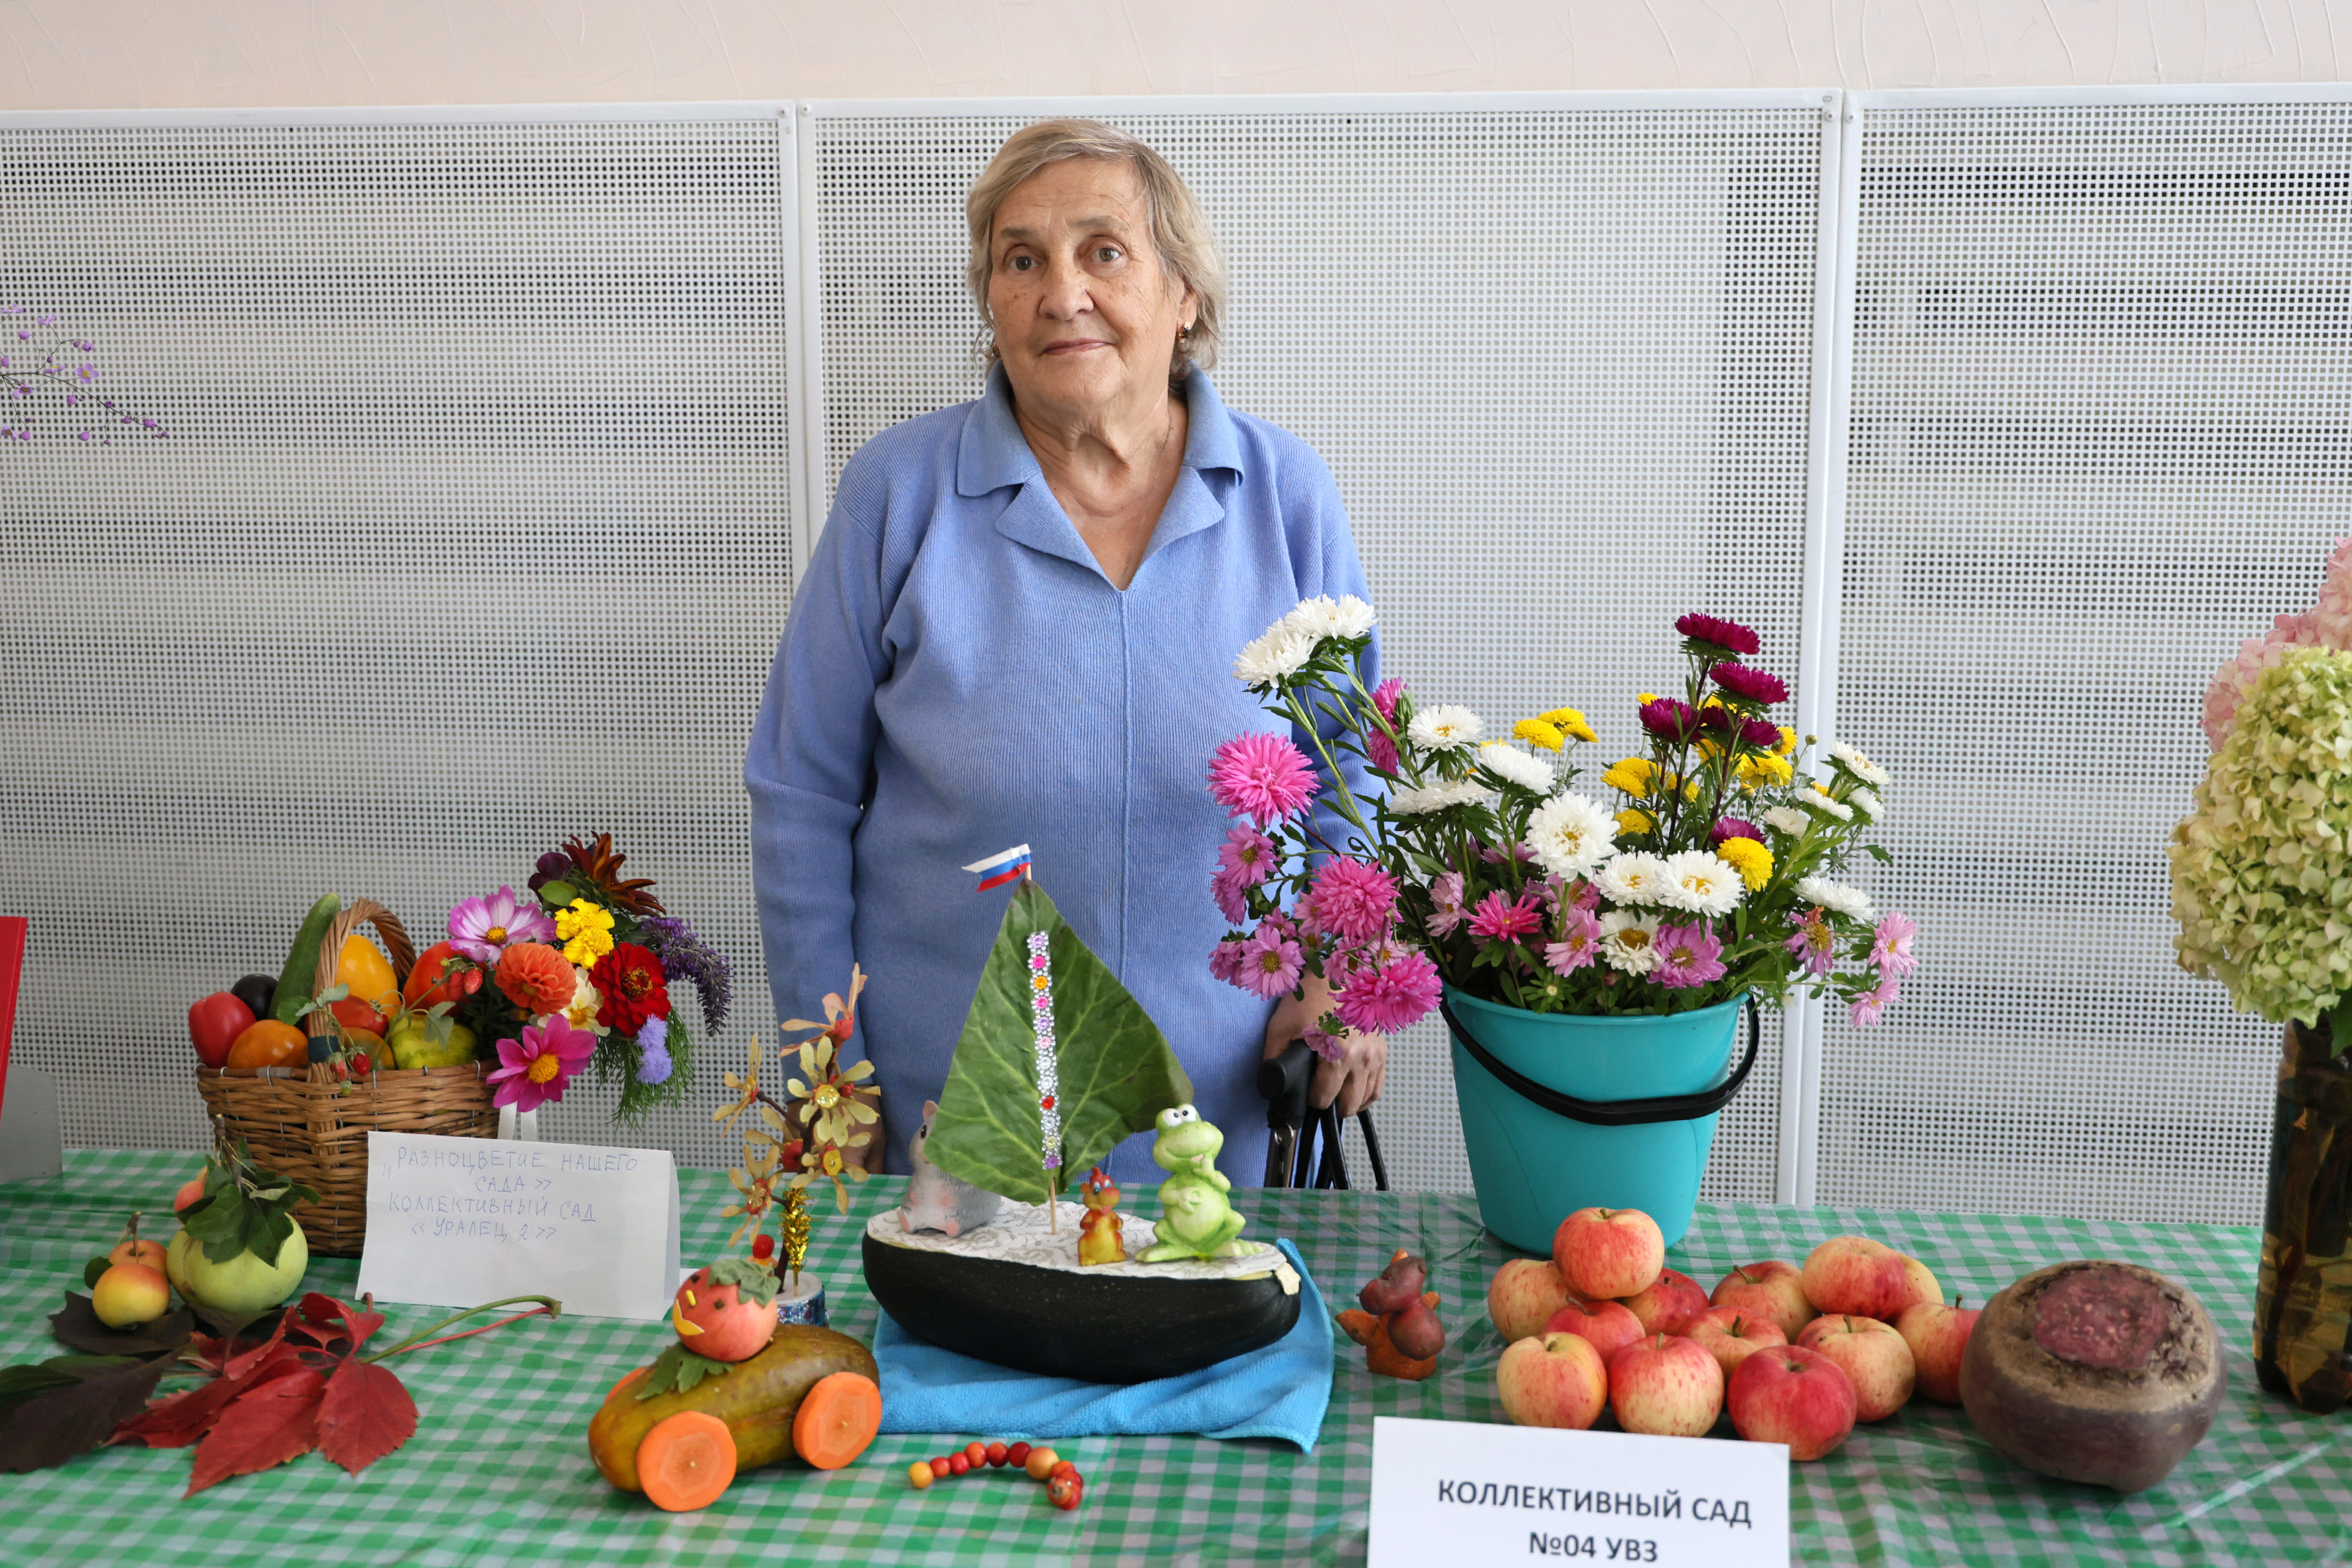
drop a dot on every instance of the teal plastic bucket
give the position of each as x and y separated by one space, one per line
1660 1081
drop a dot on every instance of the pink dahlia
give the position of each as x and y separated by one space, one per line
1814 943
1353 900
1890 947
1261 776
1395 996
1865 1007
1720 636
533 1070
482 929
1760 686
1578 944
1445 904
1498 919
1688 956
1270 962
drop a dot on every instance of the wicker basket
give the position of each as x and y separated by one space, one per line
300 1122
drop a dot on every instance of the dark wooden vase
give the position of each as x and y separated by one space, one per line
2303 1304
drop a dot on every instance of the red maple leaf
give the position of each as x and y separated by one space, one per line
266 1425
366 1414
185 1416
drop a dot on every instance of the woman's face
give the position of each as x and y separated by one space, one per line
1086 317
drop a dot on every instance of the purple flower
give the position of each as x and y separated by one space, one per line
1393 997
1445 899
1734 827
1498 919
1760 734
533 1070
1688 956
1814 943
1270 962
482 929
1578 944
653 1051
1353 900
1719 635
1865 1007
550 866
1760 686
684 954
1890 947
1669 719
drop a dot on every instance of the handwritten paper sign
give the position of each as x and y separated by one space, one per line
1456 1491
455 1222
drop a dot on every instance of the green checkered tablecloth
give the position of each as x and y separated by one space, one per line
498 1471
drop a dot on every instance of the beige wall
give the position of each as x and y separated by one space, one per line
151 53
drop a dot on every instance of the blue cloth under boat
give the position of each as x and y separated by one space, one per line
1281 1391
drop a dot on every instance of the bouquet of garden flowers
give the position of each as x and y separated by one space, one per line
1479 866
574 972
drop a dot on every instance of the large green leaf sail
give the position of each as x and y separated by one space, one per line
1115 1069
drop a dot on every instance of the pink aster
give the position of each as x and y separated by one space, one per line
1445 904
1498 919
1395 996
1226 886
1760 686
1688 956
1330 1048
1261 776
1587 896
533 1070
1523 852
1734 827
1865 1007
1890 947
1578 944
482 929
1353 900
1729 636
1269 963
1379 749
1669 719
1814 943
1225 962
1247 854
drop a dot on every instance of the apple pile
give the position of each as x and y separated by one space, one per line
1797 1355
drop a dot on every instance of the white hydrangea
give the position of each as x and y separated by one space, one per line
1448 727
1787 819
1635 880
1322 617
1703 882
1836 898
1572 835
1861 767
1510 765
1277 655
1419 802
1629 943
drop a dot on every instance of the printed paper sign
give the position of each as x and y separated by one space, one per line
1457 1492
456 1222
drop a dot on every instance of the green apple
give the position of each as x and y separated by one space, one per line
242 1286
412 1048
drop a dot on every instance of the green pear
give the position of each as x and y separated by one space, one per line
412 1048
244 1285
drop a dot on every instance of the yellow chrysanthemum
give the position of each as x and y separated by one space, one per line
585 929
1634 824
1643 699
1570 721
1750 858
1537 733
1788 745
1634 776
1755 772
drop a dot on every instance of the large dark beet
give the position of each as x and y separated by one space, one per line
2099 1372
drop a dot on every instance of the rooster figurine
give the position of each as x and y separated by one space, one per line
1098 1235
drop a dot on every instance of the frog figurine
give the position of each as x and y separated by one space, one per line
1195 1221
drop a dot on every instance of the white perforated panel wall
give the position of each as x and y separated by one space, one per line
472 532
2101 394
1559 359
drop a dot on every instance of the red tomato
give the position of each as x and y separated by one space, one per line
214 1024
425 985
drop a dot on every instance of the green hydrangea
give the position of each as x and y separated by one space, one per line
2261 876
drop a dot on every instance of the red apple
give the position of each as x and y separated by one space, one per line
1792 1395
130 1294
1666 1386
1873 1358
1607 1324
1856 1277
1522 1294
1671 1300
214 1024
1939 1336
719 1321
1732 1334
190 1191
1609 1254
1556 1381
1771 1290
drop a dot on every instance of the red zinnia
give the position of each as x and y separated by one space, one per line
633 988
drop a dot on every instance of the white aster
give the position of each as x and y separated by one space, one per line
1448 727
1629 943
1703 882
1635 880
1510 765
1787 819
1572 835
1836 898
1277 655
1864 799
1817 802
1322 617
1419 802
1860 766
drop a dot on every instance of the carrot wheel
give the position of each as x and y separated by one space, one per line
687 1461
838 1419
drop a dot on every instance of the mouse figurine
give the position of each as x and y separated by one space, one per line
1098 1233
1196 1221
937 1201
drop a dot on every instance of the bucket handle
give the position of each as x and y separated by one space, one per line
1611 1112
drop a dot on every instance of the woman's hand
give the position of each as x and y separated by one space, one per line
1354 1081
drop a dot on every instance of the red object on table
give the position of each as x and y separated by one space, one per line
11 965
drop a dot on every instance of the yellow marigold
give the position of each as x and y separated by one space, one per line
1755 772
1570 721
585 929
1634 824
1634 776
1750 858
1537 733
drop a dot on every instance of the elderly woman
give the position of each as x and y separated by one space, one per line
1019 625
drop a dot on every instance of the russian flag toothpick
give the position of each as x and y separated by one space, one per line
999 869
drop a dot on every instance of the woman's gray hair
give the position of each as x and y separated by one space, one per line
1179 227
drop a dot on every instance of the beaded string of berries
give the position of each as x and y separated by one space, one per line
1065 1487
